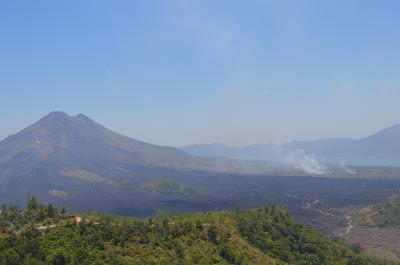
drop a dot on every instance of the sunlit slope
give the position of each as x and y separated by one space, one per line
269 235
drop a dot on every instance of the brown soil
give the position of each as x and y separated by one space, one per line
382 243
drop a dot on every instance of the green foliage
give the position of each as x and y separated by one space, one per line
45 236
384 214
278 235
50 211
357 248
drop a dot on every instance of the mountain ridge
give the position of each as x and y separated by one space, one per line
384 142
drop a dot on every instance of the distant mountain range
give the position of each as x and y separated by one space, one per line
385 143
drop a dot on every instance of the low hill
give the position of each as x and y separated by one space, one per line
384 214
269 235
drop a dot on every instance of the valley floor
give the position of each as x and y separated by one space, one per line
382 243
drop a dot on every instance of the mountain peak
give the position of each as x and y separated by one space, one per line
55 116
63 117
58 130
57 113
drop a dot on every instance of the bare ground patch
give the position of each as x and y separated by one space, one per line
382 243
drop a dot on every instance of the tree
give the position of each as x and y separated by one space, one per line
213 234
10 257
58 259
50 211
199 225
32 204
357 248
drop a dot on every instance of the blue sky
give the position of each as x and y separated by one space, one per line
179 72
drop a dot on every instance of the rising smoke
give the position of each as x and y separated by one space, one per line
298 159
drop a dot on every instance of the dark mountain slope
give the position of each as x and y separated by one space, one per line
73 158
76 141
60 134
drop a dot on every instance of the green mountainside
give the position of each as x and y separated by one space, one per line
45 235
384 214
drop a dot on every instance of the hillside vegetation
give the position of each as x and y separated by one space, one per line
168 186
384 214
43 235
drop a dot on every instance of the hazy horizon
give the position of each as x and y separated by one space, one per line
192 72
230 144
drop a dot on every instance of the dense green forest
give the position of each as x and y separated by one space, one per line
43 235
384 214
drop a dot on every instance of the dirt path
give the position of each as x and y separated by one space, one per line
349 227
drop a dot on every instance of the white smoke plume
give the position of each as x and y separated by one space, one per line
299 160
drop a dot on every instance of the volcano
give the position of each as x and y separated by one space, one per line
76 160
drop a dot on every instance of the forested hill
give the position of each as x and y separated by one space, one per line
44 235
384 214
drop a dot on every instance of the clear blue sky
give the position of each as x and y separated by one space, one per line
179 72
